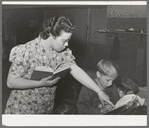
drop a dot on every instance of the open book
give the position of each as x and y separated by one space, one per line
42 72
120 106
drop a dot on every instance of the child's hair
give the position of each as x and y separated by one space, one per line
128 85
65 109
108 68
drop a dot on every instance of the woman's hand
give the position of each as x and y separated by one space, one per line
47 82
104 97
106 108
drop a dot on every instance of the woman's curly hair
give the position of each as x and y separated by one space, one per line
54 26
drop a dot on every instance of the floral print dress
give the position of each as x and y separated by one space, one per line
25 58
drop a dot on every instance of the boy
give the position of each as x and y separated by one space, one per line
88 101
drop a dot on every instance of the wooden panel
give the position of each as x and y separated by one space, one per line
126 23
127 62
19 18
139 65
98 21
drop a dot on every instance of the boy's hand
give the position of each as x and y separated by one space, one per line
129 104
134 102
104 97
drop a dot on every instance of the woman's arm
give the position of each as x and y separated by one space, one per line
85 80
21 83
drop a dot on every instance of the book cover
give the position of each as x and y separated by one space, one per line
114 111
43 72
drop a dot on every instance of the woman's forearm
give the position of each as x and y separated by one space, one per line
21 83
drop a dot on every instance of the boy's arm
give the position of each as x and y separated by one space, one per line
84 104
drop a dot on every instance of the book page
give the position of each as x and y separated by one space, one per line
44 69
61 68
122 102
125 99
113 110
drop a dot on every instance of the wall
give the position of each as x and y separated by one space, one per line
15 20
95 47
132 55
98 20
132 51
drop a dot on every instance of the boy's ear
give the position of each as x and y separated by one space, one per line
98 74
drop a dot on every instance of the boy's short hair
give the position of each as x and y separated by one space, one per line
108 68
128 85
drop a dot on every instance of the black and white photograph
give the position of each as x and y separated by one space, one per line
74 63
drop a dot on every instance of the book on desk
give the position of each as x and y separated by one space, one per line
42 72
121 106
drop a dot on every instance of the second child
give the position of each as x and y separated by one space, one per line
128 90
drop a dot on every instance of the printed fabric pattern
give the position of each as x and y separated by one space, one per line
25 58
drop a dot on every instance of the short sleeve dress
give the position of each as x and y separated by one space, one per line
25 58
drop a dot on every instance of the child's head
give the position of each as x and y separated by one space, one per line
65 109
107 71
127 86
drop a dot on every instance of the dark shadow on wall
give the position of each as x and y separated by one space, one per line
78 48
94 53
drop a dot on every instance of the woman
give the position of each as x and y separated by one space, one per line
49 49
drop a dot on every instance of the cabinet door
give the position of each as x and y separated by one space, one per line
98 20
